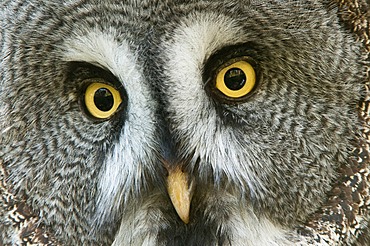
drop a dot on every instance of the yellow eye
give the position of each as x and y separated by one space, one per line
236 80
102 100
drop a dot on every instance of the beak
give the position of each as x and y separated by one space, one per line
180 192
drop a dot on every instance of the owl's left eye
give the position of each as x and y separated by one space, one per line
232 74
101 100
236 80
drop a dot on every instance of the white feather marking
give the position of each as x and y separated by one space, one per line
122 172
248 229
194 114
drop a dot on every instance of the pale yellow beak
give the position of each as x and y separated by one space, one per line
180 192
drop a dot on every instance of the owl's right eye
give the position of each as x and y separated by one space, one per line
102 100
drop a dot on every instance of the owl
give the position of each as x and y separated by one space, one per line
184 122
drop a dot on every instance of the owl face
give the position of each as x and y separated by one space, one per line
123 120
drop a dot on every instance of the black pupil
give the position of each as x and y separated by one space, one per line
103 99
235 79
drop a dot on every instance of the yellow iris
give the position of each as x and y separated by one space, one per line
236 80
102 100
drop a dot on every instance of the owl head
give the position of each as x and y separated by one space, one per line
177 122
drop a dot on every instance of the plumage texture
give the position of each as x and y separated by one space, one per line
286 166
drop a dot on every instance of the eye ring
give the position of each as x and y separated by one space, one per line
236 80
101 100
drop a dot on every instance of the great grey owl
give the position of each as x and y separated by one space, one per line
184 122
